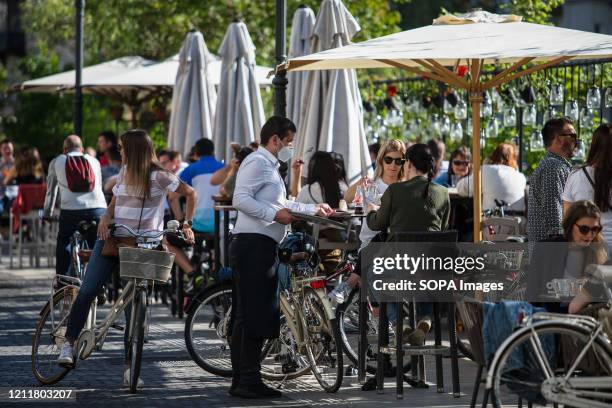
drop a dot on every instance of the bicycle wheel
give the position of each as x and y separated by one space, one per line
522 366
139 307
347 316
206 329
323 342
49 337
281 358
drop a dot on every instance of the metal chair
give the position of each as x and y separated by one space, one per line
418 352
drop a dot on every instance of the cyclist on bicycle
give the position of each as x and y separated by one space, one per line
78 179
138 203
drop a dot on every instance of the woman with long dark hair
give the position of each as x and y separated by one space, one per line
322 184
594 180
138 202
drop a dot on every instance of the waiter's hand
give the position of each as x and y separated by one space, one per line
324 210
283 216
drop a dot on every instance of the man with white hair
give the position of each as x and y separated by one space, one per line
78 179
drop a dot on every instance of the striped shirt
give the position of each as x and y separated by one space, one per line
129 205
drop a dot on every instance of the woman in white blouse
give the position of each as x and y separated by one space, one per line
593 182
501 180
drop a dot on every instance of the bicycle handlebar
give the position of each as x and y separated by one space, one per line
146 234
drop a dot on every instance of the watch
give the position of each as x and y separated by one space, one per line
188 223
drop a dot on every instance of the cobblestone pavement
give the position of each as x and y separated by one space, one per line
171 378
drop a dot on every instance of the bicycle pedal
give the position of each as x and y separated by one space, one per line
117 327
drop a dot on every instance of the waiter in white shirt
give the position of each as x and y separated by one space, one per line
263 213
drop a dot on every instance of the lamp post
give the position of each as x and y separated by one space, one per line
280 78
78 101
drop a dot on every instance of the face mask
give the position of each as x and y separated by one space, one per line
285 153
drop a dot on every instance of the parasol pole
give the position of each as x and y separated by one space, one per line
475 100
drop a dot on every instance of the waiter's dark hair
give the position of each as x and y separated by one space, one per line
276 125
420 156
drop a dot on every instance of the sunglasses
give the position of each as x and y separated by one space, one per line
585 229
572 135
398 161
461 162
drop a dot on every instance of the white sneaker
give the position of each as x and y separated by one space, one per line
126 379
66 355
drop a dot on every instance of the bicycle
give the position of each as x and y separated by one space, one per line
50 331
527 362
309 338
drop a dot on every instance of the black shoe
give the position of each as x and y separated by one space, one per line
259 391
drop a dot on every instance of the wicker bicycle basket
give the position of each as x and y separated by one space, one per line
138 263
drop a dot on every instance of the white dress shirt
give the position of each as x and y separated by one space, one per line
260 192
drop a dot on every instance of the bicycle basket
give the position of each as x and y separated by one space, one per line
138 263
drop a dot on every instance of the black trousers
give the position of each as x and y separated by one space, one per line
255 314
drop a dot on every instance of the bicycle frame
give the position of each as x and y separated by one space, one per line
576 390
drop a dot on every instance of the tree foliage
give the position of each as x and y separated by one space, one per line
153 29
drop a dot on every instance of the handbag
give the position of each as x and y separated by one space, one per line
112 244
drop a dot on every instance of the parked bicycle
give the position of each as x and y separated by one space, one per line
531 362
309 339
140 267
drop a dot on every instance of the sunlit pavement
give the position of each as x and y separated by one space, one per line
171 378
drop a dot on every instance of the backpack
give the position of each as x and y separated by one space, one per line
79 174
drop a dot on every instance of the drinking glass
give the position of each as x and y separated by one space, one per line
371 193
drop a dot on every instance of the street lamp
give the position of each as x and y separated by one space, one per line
78 101
280 79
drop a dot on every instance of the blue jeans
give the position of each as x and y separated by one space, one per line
98 272
68 224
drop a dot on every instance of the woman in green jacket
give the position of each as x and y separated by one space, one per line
416 204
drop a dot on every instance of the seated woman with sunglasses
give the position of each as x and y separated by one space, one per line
459 167
501 180
583 246
389 170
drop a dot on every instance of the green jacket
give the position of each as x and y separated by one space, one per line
403 208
